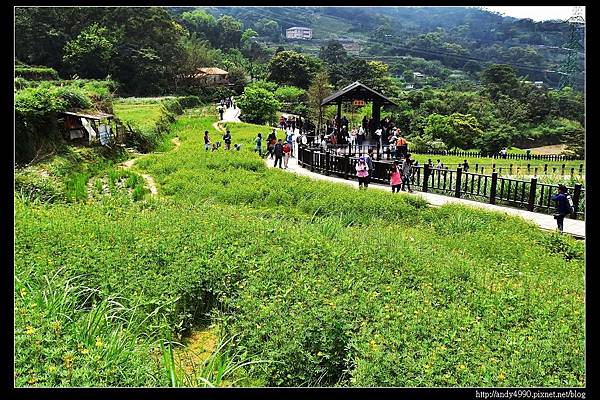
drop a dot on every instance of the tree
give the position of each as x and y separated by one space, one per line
492 141
230 32
269 28
259 105
333 53
203 24
500 79
291 68
247 35
318 91
90 53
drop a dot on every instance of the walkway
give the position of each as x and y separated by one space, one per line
231 115
573 227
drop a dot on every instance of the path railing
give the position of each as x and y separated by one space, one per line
493 189
502 167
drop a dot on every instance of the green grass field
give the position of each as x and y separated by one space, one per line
311 283
144 113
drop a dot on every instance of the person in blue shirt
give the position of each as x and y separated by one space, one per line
563 206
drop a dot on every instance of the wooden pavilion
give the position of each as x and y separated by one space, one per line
356 91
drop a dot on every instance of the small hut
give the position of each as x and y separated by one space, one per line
212 76
88 127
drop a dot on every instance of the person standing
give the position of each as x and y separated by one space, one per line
290 140
395 179
362 172
369 162
258 142
465 166
361 136
401 145
287 149
278 151
220 109
407 173
564 206
227 139
206 141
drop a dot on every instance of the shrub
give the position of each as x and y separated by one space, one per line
36 73
259 105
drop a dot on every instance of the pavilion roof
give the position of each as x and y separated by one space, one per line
357 91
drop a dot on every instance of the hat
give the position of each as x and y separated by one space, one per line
361 158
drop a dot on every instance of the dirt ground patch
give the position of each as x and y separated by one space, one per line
553 149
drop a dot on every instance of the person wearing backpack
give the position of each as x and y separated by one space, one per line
278 151
564 206
227 139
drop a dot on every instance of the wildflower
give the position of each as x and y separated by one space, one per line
56 325
84 351
501 376
52 369
23 292
30 330
462 367
32 380
68 359
99 343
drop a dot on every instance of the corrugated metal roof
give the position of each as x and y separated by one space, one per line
96 115
357 90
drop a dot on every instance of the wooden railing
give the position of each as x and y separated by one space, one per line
492 189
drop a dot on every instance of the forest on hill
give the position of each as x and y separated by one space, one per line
155 51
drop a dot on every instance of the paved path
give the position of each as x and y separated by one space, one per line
573 227
231 115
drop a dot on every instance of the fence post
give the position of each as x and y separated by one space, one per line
458 182
426 173
312 161
493 188
347 166
510 169
494 167
326 163
535 171
528 169
562 170
572 172
580 169
576 197
476 167
545 169
532 191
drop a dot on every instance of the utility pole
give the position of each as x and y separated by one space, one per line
570 70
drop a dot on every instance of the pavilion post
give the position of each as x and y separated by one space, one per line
376 114
339 113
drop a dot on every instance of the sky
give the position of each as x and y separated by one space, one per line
536 13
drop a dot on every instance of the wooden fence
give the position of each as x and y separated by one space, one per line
501 167
493 189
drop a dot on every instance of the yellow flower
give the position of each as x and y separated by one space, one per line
68 359
23 292
30 330
99 343
461 367
85 351
56 325
52 369
501 376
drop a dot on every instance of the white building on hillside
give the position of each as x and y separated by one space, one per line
298 32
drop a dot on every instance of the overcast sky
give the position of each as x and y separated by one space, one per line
536 13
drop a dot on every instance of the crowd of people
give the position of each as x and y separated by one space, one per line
225 104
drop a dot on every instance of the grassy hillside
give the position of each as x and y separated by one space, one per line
323 284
